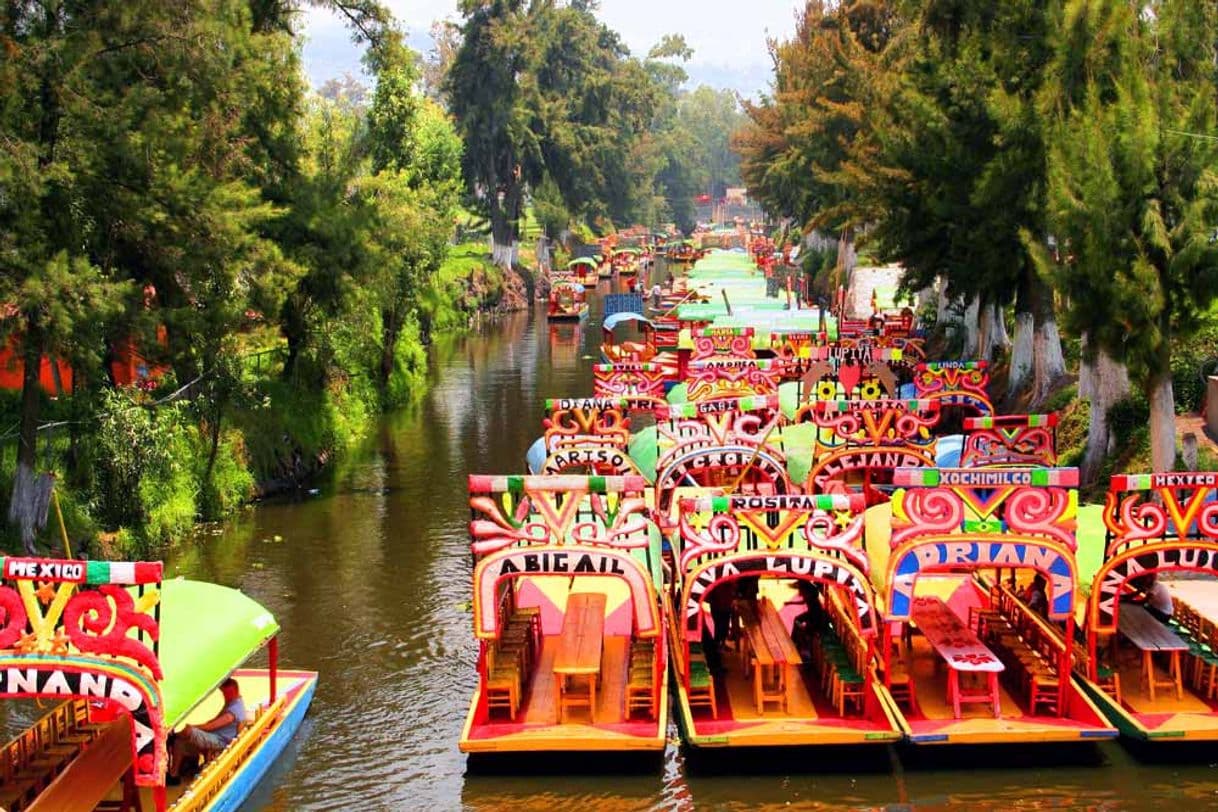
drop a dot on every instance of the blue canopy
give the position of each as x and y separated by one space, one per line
615 319
948 449
535 457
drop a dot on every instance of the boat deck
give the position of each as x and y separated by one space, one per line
809 718
1190 716
538 726
95 774
932 716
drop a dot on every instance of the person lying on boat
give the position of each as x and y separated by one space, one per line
210 737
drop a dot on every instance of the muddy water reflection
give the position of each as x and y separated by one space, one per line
371 582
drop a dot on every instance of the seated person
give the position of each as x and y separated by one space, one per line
1158 599
1036 597
210 737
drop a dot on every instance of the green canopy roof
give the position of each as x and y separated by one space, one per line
207 630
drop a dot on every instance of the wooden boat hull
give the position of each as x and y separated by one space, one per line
235 787
934 724
753 731
1165 726
1014 730
782 731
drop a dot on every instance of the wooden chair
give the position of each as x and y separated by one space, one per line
701 683
1043 690
900 686
640 685
503 688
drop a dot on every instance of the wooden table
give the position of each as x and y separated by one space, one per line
771 651
578 661
960 649
1148 634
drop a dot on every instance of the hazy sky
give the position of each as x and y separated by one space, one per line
728 38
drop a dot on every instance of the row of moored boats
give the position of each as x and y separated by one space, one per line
789 527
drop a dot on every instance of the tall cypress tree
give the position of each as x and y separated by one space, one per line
1133 184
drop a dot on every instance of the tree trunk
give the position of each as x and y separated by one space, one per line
1105 381
970 328
389 340
992 333
31 358
1002 340
1020 372
20 499
846 257
1162 400
1048 362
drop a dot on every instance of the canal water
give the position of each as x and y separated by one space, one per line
370 580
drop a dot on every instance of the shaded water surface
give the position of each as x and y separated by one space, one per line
370 579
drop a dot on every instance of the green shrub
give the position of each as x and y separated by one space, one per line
1187 358
1127 417
231 483
143 462
409 373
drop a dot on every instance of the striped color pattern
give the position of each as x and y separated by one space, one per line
854 502
750 403
96 573
1008 421
553 404
985 477
848 405
1147 482
492 483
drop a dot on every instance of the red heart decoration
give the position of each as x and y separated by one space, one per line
849 375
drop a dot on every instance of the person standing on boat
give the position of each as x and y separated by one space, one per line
210 737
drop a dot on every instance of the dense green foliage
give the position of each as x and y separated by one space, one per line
1050 154
551 105
168 183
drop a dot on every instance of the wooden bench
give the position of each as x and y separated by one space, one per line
89 778
38 754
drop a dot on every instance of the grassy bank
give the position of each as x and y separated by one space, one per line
135 470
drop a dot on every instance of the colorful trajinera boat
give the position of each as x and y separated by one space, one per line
626 261
985 665
1010 440
585 435
645 350
568 616
1156 676
583 270
568 300
861 443
774 624
128 658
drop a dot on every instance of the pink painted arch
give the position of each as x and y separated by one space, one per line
568 560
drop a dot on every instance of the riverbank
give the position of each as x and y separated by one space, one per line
135 469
